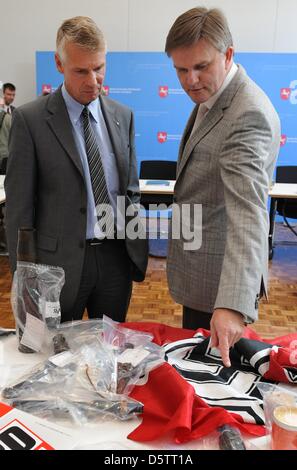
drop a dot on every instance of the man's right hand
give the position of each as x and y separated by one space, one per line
226 328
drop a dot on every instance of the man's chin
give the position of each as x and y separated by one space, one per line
198 96
88 97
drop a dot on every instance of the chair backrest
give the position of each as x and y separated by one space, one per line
286 174
287 207
157 170
3 165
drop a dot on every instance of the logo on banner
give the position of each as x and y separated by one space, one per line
289 93
110 90
283 140
46 89
163 91
285 93
105 90
162 137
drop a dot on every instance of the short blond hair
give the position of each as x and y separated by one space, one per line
196 24
80 30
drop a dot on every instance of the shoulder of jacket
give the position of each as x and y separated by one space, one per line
109 102
2 116
32 106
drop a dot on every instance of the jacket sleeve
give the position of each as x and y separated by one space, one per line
4 136
246 151
133 191
20 182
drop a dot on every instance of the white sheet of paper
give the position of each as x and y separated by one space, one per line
134 356
23 431
34 332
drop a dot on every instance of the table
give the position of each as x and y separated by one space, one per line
2 192
144 188
106 435
278 191
156 186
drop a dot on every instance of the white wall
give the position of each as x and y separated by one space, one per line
131 25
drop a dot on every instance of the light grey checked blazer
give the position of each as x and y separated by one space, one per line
226 165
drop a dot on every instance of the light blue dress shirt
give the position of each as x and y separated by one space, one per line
106 151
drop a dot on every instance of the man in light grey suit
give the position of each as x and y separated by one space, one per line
226 161
72 152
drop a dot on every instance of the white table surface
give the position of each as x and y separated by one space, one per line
146 188
283 190
2 192
107 435
278 190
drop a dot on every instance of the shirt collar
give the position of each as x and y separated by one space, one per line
75 108
211 101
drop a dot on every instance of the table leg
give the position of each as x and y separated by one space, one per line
272 212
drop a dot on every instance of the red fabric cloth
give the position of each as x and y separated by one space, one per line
170 403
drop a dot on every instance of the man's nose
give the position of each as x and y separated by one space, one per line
192 77
100 78
93 79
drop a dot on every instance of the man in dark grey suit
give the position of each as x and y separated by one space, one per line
226 161
71 153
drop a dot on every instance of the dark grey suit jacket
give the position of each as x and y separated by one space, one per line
45 186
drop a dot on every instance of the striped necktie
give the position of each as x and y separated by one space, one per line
96 173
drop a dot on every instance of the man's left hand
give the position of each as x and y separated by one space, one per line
226 328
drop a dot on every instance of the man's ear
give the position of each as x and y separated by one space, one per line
229 56
59 64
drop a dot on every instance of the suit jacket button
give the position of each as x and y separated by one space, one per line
81 245
83 210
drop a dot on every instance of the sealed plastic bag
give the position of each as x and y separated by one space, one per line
78 409
121 337
275 395
225 437
280 409
87 377
35 297
134 354
80 332
60 388
56 370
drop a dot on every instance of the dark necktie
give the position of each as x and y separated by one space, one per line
96 171
8 110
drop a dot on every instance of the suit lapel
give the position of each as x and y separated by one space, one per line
187 132
113 124
214 115
60 124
